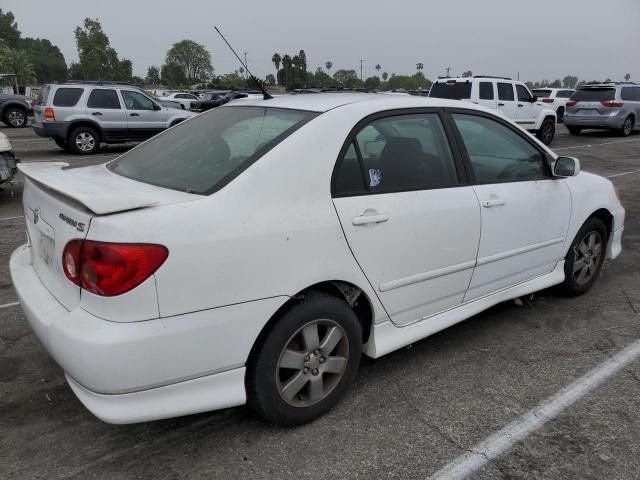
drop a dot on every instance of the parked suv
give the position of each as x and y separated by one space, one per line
610 106
555 98
81 116
512 98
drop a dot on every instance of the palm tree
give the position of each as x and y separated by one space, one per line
419 66
328 66
276 59
385 75
15 61
378 68
627 77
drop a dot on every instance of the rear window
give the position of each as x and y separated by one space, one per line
594 94
67 97
629 93
542 93
452 90
207 152
564 94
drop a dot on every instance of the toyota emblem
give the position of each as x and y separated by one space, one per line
36 215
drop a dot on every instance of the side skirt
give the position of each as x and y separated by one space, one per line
386 337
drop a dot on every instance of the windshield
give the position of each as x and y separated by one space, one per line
205 153
451 90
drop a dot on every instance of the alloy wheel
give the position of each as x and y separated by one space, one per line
16 118
547 133
628 126
587 255
312 363
85 141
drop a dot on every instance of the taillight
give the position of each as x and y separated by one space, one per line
612 103
49 114
547 100
110 269
571 103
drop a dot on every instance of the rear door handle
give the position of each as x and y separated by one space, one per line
501 104
520 105
134 114
96 113
493 202
370 218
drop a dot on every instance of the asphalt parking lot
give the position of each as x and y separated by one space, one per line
409 414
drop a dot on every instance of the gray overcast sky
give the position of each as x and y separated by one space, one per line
592 39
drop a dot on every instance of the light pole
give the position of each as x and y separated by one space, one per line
361 62
246 65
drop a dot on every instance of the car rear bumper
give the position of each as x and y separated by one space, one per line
139 371
593 121
51 129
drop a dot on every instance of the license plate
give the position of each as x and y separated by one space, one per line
45 249
587 113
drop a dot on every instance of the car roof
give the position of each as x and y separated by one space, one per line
322 102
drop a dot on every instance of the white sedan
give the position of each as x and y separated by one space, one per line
254 252
184 99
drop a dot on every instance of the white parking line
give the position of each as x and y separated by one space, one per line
10 218
498 443
623 173
7 305
590 145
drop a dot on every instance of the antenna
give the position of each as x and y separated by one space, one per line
265 95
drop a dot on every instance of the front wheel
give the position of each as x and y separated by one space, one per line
585 258
306 361
547 131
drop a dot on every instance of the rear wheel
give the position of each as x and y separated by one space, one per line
547 131
574 130
560 114
15 117
306 361
585 258
627 126
83 141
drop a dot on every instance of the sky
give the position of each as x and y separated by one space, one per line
592 39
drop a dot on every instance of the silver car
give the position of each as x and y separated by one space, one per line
80 116
604 106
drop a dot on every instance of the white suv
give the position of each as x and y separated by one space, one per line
513 99
555 98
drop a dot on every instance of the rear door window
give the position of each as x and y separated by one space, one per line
628 93
451 89
597 94
486 91
103 98
67 97
505 92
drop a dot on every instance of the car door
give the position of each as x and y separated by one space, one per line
487 95
525 211
527 111
145 118
103 106
411 220
507 100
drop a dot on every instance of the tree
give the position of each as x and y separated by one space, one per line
627 77
417 81
192 59
16 62
9 33
328 66
555 84
276 59
153 75
270 80
231 81
607 80
372 82
385 75
569 81
47 59
347 78
98 60
378 68
467 74
419 66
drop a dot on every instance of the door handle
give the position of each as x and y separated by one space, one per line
520 105
501 104
493 202
134 114
369 218
96 113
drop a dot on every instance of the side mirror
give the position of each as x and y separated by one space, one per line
157 107
534 99
566 167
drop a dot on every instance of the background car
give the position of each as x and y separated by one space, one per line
210 100
182 98
604 106
8 160
15 110
80 116
556 98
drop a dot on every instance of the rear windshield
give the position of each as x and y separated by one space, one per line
205 153
452 91
594 94
542 93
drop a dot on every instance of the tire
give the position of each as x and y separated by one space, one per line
15 117
61 143
284 395
574 130
585 258
83 141
547 131
627 126
560 114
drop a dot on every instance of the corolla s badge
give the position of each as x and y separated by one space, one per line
36 215
74 223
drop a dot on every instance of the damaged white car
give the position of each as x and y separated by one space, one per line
255 252
8 161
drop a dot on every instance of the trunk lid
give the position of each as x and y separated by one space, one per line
59 205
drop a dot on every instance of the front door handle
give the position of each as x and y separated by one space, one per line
134 114
493 202
520 105
366 219
96 113
501 104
